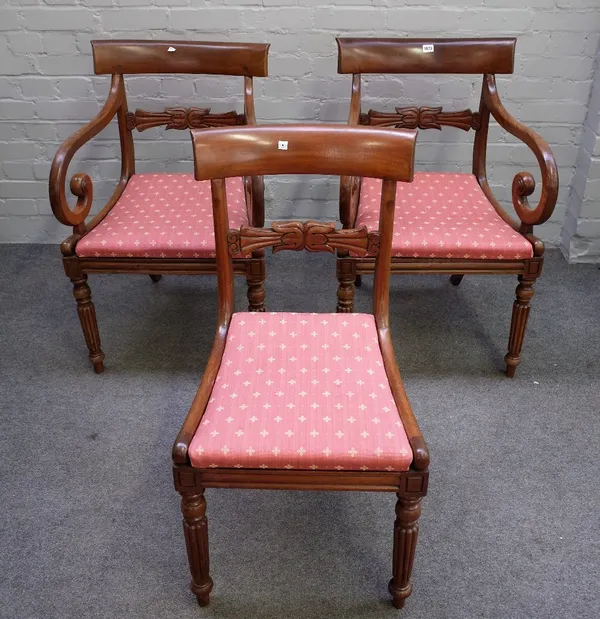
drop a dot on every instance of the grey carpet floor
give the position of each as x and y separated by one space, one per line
90 523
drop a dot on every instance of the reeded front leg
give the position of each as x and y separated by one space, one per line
346 275
255 278
89 324
520 314
406 529
456 279
195 528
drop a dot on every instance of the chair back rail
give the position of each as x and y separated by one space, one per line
200 57
368 55
304 149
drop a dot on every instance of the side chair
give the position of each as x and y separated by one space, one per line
302 401
446 222
155 223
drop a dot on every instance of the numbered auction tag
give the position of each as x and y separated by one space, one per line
427 48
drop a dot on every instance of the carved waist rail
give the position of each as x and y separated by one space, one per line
182 118
422 118
296 235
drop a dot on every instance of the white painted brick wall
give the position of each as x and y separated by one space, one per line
48 90
581 230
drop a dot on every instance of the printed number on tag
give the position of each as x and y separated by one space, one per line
427 48
282 145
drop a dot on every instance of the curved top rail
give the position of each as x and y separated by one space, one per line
304 149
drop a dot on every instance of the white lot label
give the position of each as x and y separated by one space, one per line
171 49
282 145
427 48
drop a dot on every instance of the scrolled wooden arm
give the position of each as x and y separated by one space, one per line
523 184
310 235
81 184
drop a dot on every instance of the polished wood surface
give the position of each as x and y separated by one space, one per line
380 153
425 117
195 528
395 55
257 153
486 56
182 118
117 57
408 484
297 235
523 183
81 184
406 530
216 58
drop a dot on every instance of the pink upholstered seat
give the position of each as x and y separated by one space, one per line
442 215
302 391
162 216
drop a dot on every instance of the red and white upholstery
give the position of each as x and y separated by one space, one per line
162 216
302 391
443 215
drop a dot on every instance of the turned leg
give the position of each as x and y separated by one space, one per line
155 278
520 314
346 275
255 278
195 529
456 279
87 317
406 529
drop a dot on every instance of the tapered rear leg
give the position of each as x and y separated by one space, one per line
456 279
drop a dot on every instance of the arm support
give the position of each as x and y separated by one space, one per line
523 183
81 184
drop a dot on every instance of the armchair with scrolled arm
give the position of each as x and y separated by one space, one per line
449 223
124 236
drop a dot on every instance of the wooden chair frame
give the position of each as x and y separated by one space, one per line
315 149
118 58
464 56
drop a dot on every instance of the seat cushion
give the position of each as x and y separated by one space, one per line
442 215
302 391
162 216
